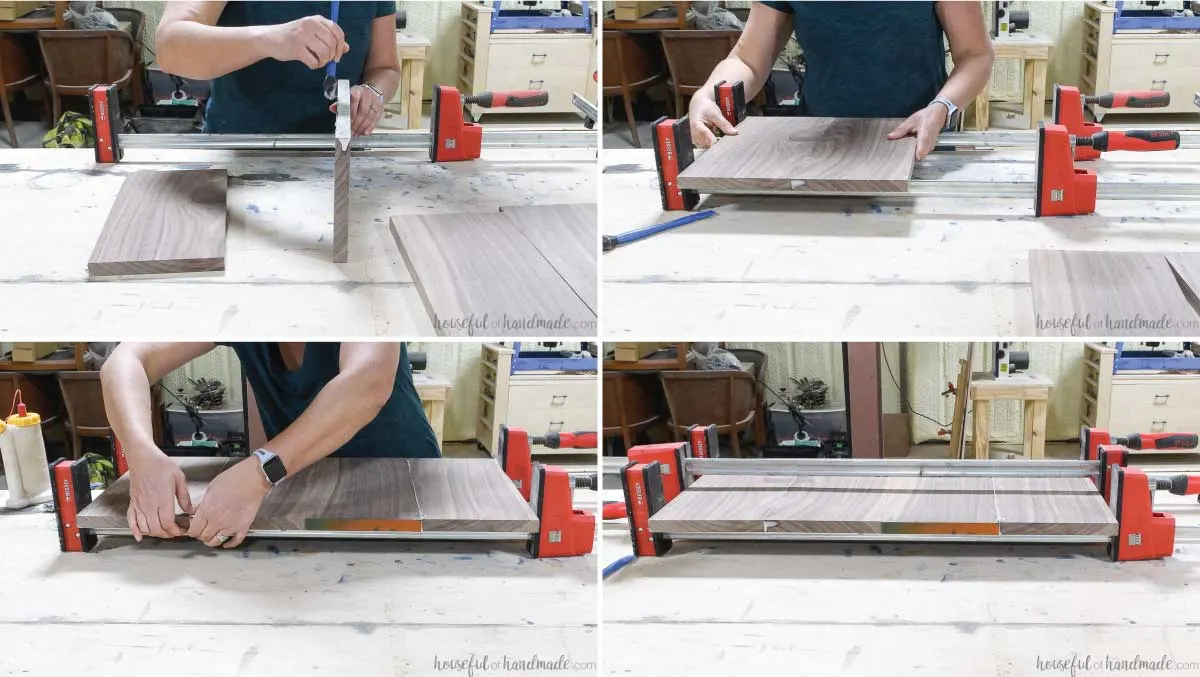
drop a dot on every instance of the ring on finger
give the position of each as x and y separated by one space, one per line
221 538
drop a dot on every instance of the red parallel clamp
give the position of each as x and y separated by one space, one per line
1143 533
1062 190
515 456
731 99
105 111
452 138
563 531
673 153
1090 440
72 493
643 487
670 456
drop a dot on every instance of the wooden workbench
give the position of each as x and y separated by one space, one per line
863 610
372 609
813 268
279 279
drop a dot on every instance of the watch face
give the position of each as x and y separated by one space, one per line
275 470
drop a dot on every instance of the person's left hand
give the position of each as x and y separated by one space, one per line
926 124
366 110
230 504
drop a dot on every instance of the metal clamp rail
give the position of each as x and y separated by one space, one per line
368 535
886 538
1022 139
400 141
891 467
1000 189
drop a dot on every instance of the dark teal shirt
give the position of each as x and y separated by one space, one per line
400 430
868 59
287 97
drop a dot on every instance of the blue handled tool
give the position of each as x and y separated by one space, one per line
331 67
611 242
616 566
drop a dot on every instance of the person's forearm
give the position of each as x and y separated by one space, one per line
969 78
343 407
126 391
193 50
733 69
386 78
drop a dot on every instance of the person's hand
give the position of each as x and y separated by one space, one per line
704 116
312 40
230 505
366 110
926 124
155 483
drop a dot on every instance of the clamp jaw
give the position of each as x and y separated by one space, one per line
72 485
106 123
562 530
452 137
1142 532
653 477
675 152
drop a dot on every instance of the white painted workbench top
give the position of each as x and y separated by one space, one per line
794 268
336 609
279 280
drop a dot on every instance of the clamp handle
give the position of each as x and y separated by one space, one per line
1136 139
522 98
1148 98
586 440
1141 441
1180 485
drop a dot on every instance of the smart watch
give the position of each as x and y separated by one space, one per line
952 112
272 466
375 89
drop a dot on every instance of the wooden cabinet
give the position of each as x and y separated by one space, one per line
1137 402
1141 60
536 401
558 63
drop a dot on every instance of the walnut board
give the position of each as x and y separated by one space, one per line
1113 288
164 222
519 273
988 506
817 155
360 494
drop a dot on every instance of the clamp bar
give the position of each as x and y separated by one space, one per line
890 467
586 108
879 538
399 141
965 141
987 189
357 535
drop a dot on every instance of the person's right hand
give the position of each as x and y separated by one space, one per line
704 116
313 40
154 486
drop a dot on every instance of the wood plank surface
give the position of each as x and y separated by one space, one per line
888 505
566 236
819 155
1124 293
477 275
1186 267
164 222
360 494
341 175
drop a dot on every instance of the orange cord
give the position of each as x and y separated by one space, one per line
16 398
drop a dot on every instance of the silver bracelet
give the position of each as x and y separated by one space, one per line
375 89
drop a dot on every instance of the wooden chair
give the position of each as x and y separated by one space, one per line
76 60
725 398
136 19
632 403
631 65
18 72
691 58
84 401
759 371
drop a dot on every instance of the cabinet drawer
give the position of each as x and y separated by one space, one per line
1150 420
552 394
1155 396
541 421
1138 59
530 56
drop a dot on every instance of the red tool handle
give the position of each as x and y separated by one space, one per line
567 440
614 511
525 98
1137 139
1180 485
1149 98
1163 441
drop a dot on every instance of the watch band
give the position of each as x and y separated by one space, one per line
375 89
272 466
952 112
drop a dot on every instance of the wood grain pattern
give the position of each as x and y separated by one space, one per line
477 275
164 222
1135 291
817 155
888 505
341 175
566 236
360 494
